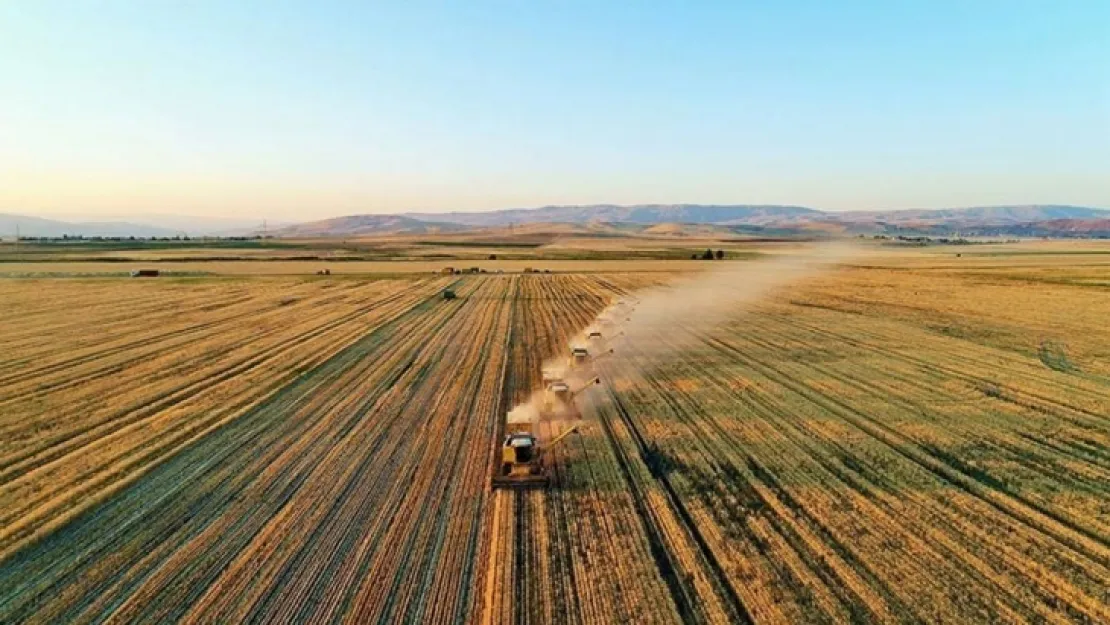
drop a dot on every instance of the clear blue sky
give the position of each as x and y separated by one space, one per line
296 110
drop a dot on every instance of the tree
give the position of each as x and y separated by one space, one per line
693 256
720 254
493 256
708 255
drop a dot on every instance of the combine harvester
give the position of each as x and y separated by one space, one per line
522 455
558 400
579 356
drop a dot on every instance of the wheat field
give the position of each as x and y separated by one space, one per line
908 437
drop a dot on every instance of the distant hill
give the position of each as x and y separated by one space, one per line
684 219
666 220
639 213
1055 228
39 227
973 216
206 225
671 229
355 225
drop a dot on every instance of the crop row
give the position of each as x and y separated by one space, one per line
827 460
321 451
325 457
78 429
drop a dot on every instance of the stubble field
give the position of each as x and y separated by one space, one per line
907 439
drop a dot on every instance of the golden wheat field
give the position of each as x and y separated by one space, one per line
907 437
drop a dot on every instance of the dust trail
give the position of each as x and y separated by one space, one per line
678 312
681 311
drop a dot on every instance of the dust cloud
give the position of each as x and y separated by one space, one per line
661 322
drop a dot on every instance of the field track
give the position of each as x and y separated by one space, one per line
858 449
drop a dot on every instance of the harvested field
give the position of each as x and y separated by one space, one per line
906 440
257 449
844 456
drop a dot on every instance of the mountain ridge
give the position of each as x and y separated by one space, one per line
353 225
619 213
771 216
1015 219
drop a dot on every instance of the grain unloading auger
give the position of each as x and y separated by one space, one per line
522 457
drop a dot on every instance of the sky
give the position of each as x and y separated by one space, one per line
302 110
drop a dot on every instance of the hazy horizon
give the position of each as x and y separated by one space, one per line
302 112
181 219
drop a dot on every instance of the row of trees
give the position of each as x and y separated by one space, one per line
709 254
117 239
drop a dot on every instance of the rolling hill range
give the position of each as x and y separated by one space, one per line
1056 228
660 219
638 213
140 226
355 225
666 220
979 215
39 227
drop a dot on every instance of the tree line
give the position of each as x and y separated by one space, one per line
709 254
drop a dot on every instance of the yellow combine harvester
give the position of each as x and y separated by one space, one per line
522 456
558 399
